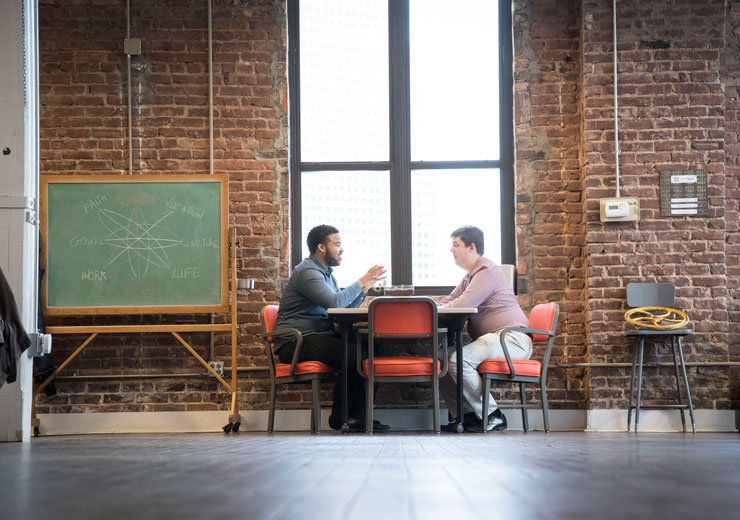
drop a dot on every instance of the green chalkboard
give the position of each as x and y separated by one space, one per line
134 244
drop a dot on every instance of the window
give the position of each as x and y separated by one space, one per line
401 131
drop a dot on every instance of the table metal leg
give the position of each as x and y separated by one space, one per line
345 368
459 353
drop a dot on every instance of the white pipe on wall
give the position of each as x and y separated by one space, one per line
210 89
130 118
616 102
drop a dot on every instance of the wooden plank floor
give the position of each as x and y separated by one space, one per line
502 475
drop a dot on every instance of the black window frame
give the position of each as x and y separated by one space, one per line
400 164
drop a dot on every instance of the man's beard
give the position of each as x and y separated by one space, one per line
332 261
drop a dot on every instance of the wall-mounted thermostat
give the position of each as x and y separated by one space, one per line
620 209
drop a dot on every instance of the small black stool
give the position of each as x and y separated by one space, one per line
656 295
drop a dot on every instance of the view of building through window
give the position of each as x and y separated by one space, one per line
442 201
344 80
358 204
454 80
346 117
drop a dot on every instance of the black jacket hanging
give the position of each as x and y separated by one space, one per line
13 338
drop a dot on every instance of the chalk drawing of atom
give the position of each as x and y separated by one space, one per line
137 240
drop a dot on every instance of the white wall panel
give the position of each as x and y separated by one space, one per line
18 182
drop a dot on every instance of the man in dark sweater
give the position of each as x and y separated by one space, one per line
311 290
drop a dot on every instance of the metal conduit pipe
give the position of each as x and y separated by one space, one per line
212 349
210 88
616 102
128 74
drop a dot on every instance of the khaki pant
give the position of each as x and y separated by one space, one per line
485 347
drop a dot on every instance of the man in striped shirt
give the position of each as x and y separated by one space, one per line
484 286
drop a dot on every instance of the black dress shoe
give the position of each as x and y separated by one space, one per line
496 421
471 420
379 426
356 425
450 427
335 423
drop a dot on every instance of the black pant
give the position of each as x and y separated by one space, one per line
329 349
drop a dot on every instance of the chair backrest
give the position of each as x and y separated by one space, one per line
544 316
268 318
651 294
402 316
510 274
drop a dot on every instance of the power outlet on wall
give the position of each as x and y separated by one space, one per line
218 367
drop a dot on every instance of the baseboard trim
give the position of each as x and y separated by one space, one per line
399 419
662 421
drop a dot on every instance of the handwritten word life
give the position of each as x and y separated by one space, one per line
186 272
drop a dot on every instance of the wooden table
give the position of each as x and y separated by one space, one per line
453 318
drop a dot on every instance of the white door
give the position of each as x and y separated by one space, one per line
19 194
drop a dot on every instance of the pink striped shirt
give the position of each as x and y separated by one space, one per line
487 288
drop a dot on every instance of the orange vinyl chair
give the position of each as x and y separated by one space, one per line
313 372
543 321
402 318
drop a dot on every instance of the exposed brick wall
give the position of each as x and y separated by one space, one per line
731 79
83 79
671 114
678 110
676 113
550 183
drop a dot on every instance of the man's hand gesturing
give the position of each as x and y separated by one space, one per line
373 275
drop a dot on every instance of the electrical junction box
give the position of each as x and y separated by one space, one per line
132 46
620 209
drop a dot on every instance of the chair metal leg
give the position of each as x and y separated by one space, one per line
632 383
316 406
525 415
271 416
370 387
544 407
486 400
435 395
639 386
686 381
678 383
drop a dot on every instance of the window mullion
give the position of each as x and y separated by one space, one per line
295 131
506 131
400 143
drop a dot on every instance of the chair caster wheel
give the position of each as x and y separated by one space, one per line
236 427
228 428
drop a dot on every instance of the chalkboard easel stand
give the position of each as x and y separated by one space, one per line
175 330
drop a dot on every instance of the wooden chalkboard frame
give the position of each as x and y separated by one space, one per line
185 308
